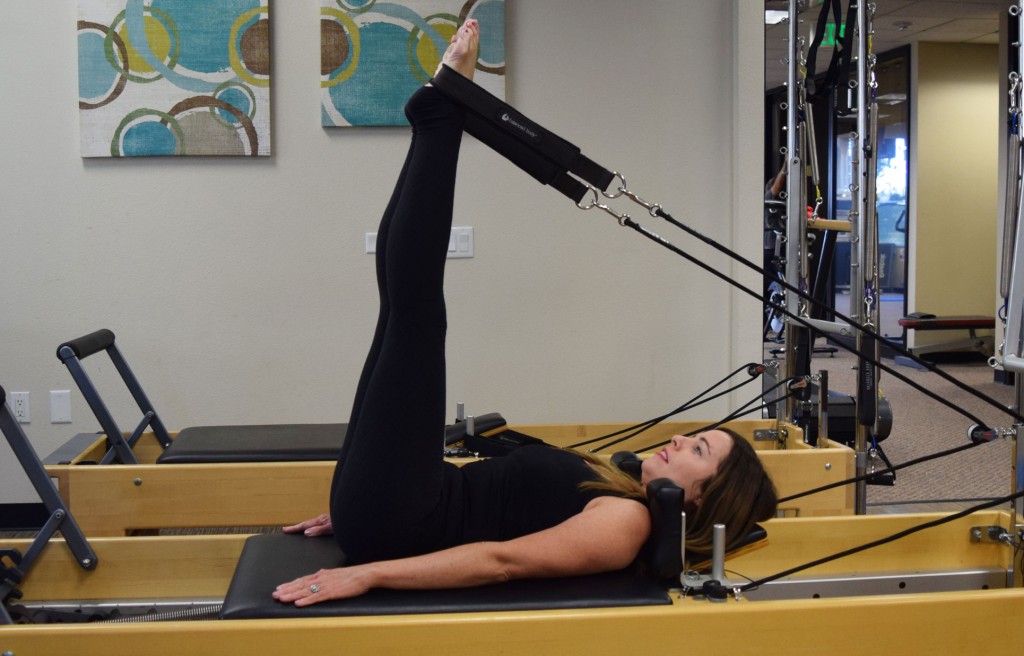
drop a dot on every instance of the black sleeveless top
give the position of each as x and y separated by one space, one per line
533 488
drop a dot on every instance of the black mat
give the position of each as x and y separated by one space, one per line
269 560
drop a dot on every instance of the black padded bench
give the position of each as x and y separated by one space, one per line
255 443
197 444
971 323
269 560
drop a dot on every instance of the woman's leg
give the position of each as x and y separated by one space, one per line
389 496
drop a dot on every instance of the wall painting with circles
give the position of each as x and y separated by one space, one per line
374 55
174 77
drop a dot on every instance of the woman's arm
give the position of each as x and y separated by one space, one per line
606 536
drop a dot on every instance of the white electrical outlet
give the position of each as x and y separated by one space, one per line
60 406
19 407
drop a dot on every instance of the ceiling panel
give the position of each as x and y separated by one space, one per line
897 23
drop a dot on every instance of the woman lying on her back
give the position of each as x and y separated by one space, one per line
404 517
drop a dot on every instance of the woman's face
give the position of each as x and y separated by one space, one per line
689 461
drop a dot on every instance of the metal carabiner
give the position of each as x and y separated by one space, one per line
621 218
623 190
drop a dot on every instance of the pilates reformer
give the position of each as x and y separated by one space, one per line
978 555
134 594
224 476
117 499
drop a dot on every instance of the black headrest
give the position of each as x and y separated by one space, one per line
628 462
3 396
663 551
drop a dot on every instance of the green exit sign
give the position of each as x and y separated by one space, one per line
830 34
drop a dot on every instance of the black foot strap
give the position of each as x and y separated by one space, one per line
548 158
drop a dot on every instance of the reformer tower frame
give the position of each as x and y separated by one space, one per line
801 153
1011 284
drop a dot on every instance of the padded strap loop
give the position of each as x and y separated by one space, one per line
527 144
592 172
89 344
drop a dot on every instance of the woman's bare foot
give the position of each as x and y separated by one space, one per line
462 53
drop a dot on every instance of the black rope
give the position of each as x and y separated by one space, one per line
887 470
652 424
867 331
628 222
753 368
739 412
876 543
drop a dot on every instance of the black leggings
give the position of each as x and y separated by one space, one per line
389 496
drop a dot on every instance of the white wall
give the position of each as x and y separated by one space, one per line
239 289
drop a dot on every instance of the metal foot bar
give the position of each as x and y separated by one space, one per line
71 353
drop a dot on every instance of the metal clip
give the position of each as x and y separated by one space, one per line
594 203
623 190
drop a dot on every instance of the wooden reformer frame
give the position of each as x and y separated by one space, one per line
115 500
907 621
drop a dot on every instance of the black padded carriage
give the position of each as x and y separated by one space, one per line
269 560
197 444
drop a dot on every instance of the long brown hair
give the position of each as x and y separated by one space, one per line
739 494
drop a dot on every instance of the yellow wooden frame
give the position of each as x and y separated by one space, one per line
114 500
947 623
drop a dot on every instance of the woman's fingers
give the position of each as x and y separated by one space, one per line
326 584
319 525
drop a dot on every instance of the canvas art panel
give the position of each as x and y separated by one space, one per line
374 55
174 77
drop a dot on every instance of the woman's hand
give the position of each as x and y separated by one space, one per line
320 525
339 583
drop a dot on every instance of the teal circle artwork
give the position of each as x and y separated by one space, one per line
356 6
363 100
236 98
148 138
205 29
95 75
